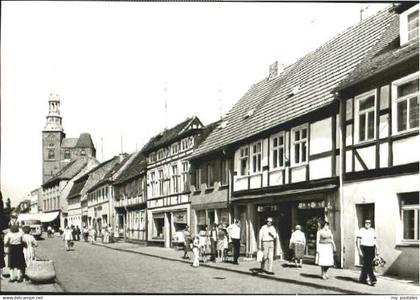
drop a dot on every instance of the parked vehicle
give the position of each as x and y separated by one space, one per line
35 225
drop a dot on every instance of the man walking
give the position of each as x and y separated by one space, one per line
68 238
234 231
267 238
366 246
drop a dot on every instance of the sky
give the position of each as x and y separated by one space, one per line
115 64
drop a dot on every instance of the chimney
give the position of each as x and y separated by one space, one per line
275 70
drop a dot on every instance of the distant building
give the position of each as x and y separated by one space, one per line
57 150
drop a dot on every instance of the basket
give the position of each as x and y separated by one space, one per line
41 271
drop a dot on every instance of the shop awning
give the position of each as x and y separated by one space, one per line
216 199
213 205
325 188
50 216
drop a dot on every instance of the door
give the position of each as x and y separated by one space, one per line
363 212
310 219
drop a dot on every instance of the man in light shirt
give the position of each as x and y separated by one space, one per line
234 231
267 238
366 246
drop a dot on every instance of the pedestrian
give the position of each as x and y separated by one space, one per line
92 235
78 233
73 232
366 246
68 238
297 244
14 241
187 241
106 235
196 250
234 231
85 233
325 248
267 237
49 229
111 234
213 241
221 236
30 242
13 220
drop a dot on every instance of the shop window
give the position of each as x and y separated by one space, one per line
300 145
365 116
158 228
277 151
256 157
406 103
244 160
409 204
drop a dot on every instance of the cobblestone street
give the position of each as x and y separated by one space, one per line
95 269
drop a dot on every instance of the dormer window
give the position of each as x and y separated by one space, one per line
409 24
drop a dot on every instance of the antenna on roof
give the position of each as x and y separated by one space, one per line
102 149
220 101
165 89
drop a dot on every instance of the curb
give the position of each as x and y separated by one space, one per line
293 281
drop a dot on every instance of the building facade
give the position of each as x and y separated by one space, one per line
168 181
380 125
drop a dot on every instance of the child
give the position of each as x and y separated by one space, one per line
196 250
30 242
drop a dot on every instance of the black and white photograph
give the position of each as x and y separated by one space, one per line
209 148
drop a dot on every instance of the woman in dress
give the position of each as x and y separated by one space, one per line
221 236
325 249
196 250
14 241
29 240
297 244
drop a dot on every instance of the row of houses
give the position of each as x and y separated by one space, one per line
333 137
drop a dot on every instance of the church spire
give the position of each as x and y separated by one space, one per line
54 120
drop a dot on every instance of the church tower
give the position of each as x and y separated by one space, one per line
52 136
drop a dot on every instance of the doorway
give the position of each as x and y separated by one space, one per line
363 212
310 219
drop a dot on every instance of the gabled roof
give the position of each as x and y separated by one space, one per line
85 141
69 142
170 135
114 170
77 187
302 87
136 167
385 55
68 172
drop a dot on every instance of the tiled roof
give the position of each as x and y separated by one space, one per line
85 141
69 142
114 170
386 54
136 167
99 172
168 136
270 102
77 187
69 171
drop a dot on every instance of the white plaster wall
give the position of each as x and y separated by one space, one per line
383 155
276 177
241 183
255 181
299 174
383 193
368 156
320 168
406 151
383 126
348 161
320 138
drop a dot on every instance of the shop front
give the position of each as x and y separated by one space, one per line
136 223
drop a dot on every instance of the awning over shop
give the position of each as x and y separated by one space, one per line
50 216
212 200
213 205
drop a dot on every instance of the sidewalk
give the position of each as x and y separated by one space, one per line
341 280
7 287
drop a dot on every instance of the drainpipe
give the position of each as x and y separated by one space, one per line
341 172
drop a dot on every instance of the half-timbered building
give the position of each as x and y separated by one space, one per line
380 126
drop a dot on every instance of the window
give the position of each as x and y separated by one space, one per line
210 175
161 179
153 183
406 103
300 145
365 116
175 148
244 163
413 25
198 178
184 144
185 176
225 172
409 203
66 154
51 154
160 154
277 143
256 157
175 179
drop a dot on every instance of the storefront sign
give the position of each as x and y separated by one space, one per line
262 208
180 217
311 204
